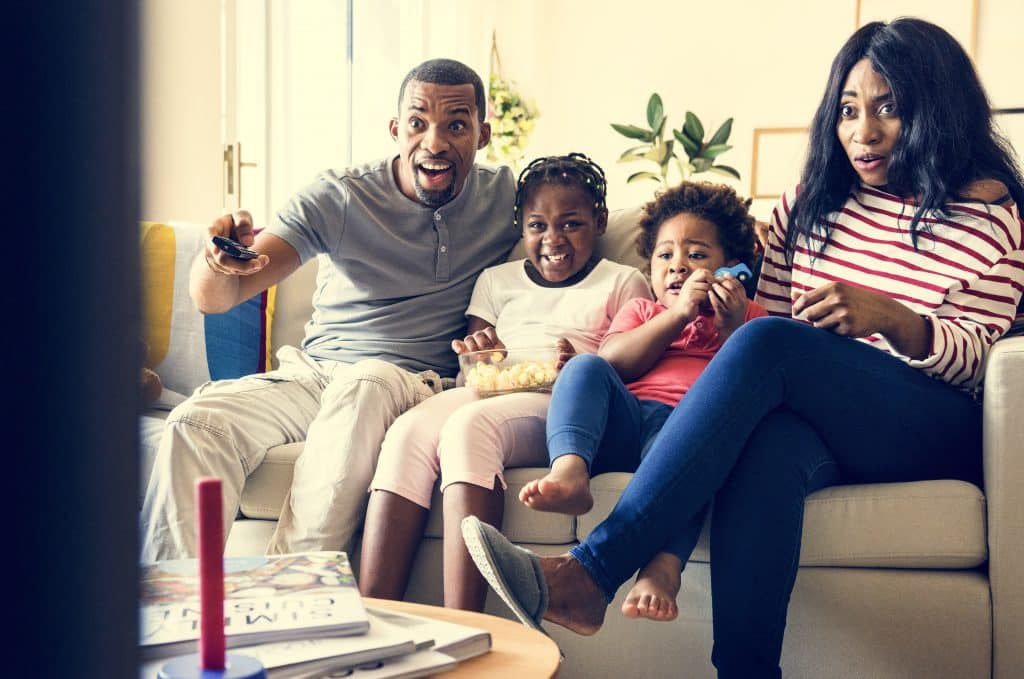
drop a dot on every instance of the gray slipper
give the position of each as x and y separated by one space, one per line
512 571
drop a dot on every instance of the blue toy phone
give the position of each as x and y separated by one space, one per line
740 272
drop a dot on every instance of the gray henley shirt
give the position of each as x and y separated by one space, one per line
395 276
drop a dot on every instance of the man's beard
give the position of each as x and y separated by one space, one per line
433 198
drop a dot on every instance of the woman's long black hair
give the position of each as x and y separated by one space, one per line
947 137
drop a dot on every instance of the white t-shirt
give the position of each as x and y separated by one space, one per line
525 314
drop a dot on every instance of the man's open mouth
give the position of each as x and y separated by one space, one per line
556 259
435 169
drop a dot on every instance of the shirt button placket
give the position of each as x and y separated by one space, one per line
443 267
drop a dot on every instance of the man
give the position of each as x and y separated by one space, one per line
400 243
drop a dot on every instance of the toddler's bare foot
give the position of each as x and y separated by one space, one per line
574 599
566 488
654 594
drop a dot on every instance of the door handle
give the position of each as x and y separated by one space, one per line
232 175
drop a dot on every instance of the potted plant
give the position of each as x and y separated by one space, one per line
512 116
701 155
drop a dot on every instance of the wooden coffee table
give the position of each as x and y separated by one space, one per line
517 652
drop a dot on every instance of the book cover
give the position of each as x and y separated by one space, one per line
266 598
425 663
314 657
303 657
461 642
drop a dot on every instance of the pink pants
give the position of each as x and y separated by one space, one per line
462 438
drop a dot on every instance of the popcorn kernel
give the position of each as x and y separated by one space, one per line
486 377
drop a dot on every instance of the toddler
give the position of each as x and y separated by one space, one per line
607 409
560 295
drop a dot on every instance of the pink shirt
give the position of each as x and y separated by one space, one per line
684 359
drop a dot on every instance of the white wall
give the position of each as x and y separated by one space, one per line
587 63
180 110
729 58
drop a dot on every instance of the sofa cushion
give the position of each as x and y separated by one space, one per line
925 524
187 348
294 306
521 524
266 487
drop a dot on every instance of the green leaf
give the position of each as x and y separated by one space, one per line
701 164
714 150
659 130
634 132
642 175
724 169
656 153
692 148
669 155
722 135
692 128
655 111
632 153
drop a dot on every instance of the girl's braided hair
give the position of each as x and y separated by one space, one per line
574 169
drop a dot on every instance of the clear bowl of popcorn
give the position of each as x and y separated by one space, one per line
507 371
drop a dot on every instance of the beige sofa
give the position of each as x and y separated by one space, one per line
911 580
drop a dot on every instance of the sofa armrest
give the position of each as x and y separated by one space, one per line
1004 492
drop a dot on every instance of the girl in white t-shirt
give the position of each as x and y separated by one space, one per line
561 295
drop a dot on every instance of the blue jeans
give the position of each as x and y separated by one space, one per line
592 414
782 410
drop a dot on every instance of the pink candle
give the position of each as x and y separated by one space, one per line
211 574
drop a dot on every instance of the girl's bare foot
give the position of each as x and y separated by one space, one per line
654 594
566 488
574 599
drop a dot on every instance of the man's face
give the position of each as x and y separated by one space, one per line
438 134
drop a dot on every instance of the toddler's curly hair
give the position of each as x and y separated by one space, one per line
717 203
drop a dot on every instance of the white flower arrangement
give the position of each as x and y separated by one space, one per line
511 115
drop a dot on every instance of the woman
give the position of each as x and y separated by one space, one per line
891 271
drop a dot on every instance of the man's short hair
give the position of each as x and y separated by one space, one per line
447 72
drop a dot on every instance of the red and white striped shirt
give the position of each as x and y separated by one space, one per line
965 277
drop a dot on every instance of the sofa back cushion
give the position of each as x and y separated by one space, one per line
187 348
294 307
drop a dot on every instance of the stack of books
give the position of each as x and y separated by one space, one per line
301 616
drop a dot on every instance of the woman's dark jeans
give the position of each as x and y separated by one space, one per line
782 410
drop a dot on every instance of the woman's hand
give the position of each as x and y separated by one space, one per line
851 311
844 309
481 340
565 351
729 302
